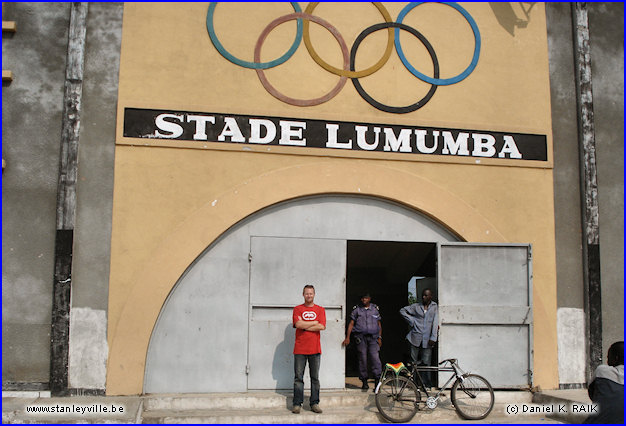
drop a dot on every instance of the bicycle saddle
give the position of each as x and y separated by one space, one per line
450 360
396 367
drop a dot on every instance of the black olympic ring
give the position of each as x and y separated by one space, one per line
366 96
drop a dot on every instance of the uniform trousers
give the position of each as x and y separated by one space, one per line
367 348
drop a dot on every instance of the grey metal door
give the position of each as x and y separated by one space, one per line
485 302
279 269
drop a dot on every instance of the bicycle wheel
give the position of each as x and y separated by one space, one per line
472 397
397 399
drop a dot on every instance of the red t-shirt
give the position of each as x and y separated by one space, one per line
308 342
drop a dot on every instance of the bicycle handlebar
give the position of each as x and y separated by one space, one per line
450 360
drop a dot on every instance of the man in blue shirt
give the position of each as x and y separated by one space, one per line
423 320
367 331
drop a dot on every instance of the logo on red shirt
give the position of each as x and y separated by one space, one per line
309 316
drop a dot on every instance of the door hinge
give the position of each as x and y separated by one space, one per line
247 369
249 257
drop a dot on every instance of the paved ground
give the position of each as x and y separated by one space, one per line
349 406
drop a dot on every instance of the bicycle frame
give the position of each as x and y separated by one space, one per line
417 378
414 375
470 408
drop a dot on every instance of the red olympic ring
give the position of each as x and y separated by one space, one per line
284 98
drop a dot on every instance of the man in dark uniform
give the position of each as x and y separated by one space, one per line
367 332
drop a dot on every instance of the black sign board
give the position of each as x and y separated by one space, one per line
325 134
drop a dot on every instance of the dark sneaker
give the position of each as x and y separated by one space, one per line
296 409
316 408
364 386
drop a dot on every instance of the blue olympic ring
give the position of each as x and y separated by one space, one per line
423 77
247 64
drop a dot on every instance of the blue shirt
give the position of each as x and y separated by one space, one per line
423 323
366 319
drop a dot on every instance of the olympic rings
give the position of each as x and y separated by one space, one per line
366 96
352 74
246 64
276 93
348 70
445 81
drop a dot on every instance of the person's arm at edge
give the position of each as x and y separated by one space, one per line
346 341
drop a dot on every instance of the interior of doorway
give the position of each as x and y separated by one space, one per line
395 274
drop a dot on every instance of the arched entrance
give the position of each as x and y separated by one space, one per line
226 325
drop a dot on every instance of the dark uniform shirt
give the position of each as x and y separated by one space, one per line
366 319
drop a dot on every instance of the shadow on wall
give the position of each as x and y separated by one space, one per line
282 365
512 14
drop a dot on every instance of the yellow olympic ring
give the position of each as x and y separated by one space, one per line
342 72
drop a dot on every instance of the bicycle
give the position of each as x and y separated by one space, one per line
398 397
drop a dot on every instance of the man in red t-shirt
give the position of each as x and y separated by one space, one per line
308 320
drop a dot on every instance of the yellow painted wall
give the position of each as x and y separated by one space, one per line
173 199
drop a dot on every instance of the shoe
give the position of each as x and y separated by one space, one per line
316 408
364 386
296 409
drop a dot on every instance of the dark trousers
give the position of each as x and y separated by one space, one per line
367 349
422 356
298 381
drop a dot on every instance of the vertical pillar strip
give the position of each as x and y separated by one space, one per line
589 185
66 201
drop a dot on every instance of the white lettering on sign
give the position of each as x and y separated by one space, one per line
335 135
509 148
255 131
290 130
174 129
332 142
201 121
483 145
362 141
309 315
455 147
231 130
421 142
401 143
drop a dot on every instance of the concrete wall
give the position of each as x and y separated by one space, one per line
606 25
606 40
32 106
92 237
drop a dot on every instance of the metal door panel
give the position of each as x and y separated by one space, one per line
485 299
498 274
497 352
487 314
280 267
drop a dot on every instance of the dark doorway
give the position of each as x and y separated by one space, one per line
388 270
